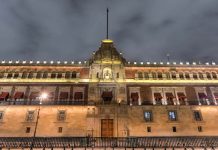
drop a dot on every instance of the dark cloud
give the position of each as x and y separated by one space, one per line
142 30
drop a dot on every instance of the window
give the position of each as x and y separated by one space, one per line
181 75
197 115
214 75
9 75
1 115
200 129
59 75
140 75
159 75
24 75
195 76
148 116
61 115
168 75
60 129
187 76
172 115
97 75
154 75
74 75
173 75
45 75
1 75
200 75
16 75
28 129
53 75
208 76
67 75
148 129
30 76
38 75
30 116
146 76
118 75
174 129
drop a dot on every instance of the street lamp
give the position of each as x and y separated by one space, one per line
42 97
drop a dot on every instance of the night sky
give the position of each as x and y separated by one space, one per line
143 30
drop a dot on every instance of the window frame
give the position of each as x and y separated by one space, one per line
28 117
1 115
200 115
60 117
169 116
151 115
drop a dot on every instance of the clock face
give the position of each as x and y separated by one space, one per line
107 73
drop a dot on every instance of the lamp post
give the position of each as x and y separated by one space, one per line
42 97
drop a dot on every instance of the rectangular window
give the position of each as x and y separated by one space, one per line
148 116
199 128
118 75
61 115
174 129
1 115
28 129
148 129
197 115
30 116
60 129
172 115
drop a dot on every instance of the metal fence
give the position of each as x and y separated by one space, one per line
127 142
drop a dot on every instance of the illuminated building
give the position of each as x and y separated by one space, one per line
107 96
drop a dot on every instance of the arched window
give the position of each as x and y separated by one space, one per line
195 76
208 76
159 75
181 76
67 75
187 76
173 75
97 75
30 75
140 75
154 75
200 74
38 75
168 75
146 75
45 75
24 75
73 74
214 75
53 75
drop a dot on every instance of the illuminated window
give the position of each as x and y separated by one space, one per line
172 115
61 115
148 116
197 115
30 116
